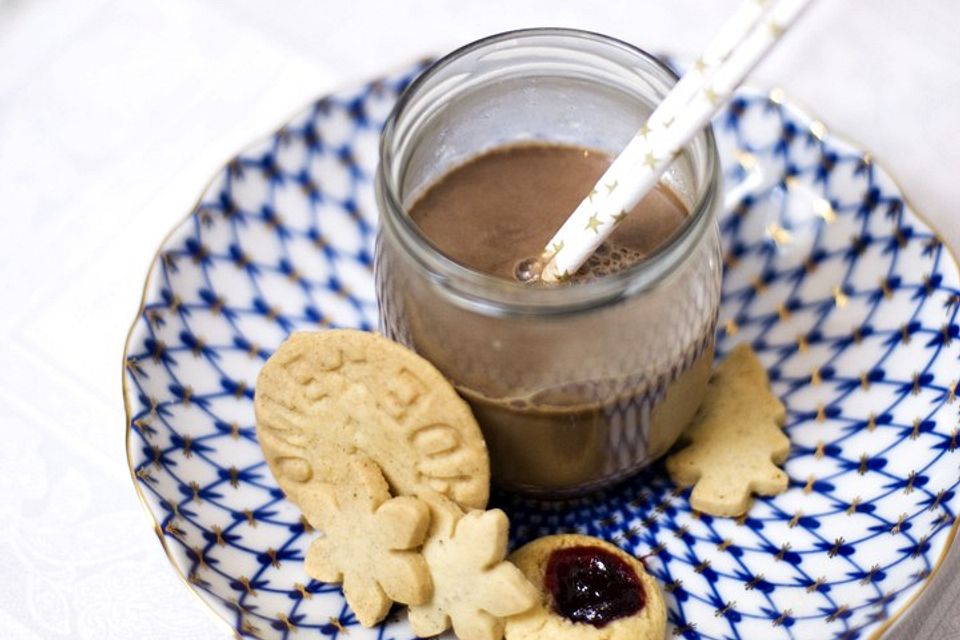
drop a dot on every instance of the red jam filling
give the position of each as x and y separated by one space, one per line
592 585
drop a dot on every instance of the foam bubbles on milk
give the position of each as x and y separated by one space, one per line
607 259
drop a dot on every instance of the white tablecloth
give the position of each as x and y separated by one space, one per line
113 115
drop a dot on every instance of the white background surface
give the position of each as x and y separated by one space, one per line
113 116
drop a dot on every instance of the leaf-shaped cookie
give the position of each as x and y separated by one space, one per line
735 440
474 588
370 542
325 394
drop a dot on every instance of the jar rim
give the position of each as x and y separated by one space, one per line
490 294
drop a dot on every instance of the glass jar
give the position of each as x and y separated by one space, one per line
579 385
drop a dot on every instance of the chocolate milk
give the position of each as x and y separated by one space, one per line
555 396
502 207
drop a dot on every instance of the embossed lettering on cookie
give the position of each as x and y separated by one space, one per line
590 590
323 395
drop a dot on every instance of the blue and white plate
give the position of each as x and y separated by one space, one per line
849 297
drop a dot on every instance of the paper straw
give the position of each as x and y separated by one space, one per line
740 24
754 29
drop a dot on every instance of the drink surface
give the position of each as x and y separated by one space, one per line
502 207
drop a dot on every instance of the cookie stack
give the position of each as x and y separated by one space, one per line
387 462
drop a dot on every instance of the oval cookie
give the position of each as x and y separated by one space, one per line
323 395
589 590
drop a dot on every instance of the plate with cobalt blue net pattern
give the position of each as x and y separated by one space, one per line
849 298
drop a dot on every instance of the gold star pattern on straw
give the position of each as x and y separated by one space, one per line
741 43
618 217
593 224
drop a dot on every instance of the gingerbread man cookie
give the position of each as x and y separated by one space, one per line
324 395
735 440
371 543
474 587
